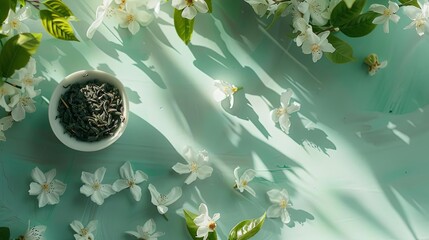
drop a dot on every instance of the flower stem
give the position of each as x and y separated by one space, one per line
165 217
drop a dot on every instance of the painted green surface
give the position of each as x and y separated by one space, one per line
355 157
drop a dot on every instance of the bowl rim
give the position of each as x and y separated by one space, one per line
57 127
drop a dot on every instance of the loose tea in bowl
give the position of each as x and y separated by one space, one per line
88 110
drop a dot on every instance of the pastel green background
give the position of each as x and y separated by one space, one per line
355 161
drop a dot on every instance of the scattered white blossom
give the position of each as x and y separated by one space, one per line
259 6
133 16
102 11
374 64
20 104
34 233
282 113
242 182
197 165
84 233
224 90
204 222
161 201
47 189
147 231
317 44
190 7
419 17
280 198
14 21
387 14
93 186
130 179
25 78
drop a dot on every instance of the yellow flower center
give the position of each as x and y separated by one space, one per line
420 23
28 81
387 12
14 24
131 183
130 18
244 183
193 167
96 186
280 111
83 232
315 48
45 187
283 203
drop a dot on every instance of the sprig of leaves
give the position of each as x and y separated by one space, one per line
55 20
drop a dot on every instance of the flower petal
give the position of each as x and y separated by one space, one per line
275 114
92 226
43 199
191 178
53 198
250 190
275 195
162 209
18 113
86 190
219 95
155 196
189 12
133 233
35 189
294 107
76 226
38 176
140 177
106 190
99 174
285 97
189 154
50 175
285 216
97 198
173 195
248 175
284 123
149 226
181 168
126 171
59 187
204 172
201 6
120 185
274 211
136 191
87 178
237 178
178 4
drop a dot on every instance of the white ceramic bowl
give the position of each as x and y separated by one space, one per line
57 127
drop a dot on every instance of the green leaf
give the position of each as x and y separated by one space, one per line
349 3
280 9
57 26
17 51
246 229
184 27
4 10
192 228
342 14
2 36
410 3
209 4
58 7
343 51
4 233
360 25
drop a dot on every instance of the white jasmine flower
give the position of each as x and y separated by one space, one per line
161 201
84 233
34 233
93 186
101 12
147 231
190 7
47 189
204 222
224 90
6 90
272 7
387 13
20 104
14 22
419 17
317 44
132 17
24 77
282 113
197 165
280 198
301 25
242 182
130 180
316 9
